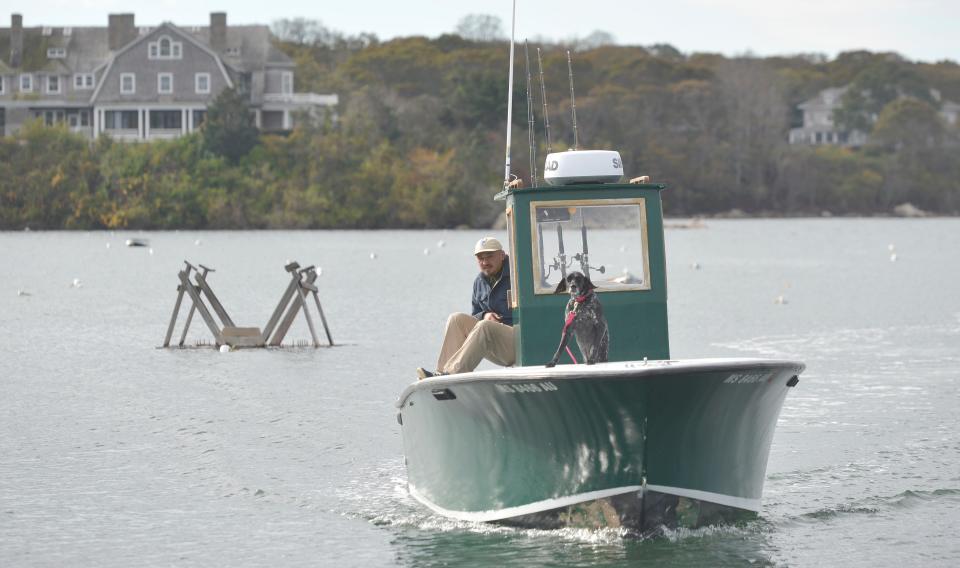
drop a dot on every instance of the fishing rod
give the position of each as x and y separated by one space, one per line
573 102
513 26
531 134
543 97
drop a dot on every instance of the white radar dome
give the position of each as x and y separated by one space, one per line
583 166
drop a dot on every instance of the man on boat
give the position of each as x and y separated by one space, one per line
487 333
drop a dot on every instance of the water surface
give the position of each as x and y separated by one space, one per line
116 453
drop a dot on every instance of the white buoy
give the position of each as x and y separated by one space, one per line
623 248
373 256
441 244
21 292
426 252
108 245
76 283
780 300
150 251
695 265
196 242
893 257
890 247
224 348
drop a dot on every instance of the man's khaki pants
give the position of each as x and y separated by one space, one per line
468 340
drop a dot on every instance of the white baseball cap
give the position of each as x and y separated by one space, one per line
487 244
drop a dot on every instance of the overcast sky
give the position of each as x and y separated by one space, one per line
924 30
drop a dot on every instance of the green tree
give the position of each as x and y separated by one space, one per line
229 130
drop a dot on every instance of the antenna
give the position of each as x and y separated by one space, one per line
531 135
573 102
543 97
513 26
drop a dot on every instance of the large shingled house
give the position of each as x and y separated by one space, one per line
144 83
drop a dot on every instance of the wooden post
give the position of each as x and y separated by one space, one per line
214 302
173 318
278 311
198 303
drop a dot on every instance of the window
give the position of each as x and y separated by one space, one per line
121 120
51 117
56 52
614 231
83 81
67 32
78 119
202 81
53 84
286 82
128 83
26 83
199 116
165 83
233 51
165 48
166 119
47 31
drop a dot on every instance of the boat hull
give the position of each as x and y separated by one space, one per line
630 444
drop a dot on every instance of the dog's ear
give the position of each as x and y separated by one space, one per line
588 284
561 287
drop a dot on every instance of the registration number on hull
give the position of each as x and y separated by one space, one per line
524 388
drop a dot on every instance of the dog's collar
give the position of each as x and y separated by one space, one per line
581 299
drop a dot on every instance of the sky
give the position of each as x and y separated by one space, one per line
920 30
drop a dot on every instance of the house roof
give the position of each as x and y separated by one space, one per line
826 99
88 48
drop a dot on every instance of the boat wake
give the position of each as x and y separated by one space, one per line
381 498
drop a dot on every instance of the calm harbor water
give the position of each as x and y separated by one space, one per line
116 453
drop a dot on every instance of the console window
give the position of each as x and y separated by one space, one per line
604 239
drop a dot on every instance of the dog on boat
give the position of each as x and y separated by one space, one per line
584 319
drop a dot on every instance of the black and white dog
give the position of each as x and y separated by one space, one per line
584 318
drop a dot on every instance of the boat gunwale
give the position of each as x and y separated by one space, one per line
620 370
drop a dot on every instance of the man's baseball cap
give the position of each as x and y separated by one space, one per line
487 244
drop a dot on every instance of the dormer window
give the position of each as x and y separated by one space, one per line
165 48
56 52
67 32
233 51
47 31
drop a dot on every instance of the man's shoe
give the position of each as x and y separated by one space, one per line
425 374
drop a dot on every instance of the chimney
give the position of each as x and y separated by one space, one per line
218 31
16 39
121 30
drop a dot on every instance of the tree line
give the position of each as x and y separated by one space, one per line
418 139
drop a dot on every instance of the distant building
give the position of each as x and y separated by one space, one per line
819 127
144 83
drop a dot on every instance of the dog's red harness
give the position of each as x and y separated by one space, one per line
570 317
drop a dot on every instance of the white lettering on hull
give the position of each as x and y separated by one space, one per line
525 388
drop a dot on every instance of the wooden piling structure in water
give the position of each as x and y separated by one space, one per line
226 332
